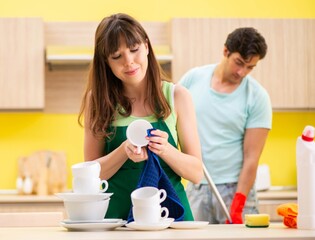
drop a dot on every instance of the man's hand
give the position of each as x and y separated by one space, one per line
236 208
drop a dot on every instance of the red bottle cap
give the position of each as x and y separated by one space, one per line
308 134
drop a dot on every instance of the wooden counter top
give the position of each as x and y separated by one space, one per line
30 203
277 194
15 198
269 201
262 195
211 232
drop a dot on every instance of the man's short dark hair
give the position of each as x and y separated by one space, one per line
248 42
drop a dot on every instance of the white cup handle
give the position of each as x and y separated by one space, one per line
105 187
166 212
138 149
163 195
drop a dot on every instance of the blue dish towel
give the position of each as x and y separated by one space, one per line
154 176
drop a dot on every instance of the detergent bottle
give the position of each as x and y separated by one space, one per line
305 161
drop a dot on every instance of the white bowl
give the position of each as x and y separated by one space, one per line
86 210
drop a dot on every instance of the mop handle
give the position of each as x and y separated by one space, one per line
216 193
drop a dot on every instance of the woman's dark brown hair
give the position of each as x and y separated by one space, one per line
104 94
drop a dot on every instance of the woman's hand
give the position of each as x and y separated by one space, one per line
132 153
158 142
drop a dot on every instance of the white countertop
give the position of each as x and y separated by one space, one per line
211 232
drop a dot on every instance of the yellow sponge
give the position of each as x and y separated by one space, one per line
257 220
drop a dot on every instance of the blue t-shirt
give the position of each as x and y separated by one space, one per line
222 119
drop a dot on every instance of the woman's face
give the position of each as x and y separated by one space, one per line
130 64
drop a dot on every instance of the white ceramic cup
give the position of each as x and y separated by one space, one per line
89 169
136 133
148 196
89 185
149 215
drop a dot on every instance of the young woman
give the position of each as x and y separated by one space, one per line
126 83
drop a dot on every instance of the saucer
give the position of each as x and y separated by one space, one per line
163 224
71 196
105 220
104 226
188 224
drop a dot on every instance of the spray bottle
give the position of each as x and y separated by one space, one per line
305 161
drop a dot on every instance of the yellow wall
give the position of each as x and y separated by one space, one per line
279 152
159 10
23 133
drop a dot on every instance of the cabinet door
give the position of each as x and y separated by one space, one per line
311 62
21 63
287 70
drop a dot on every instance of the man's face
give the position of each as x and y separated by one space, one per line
236 67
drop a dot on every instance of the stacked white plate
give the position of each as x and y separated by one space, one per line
87 211
102 225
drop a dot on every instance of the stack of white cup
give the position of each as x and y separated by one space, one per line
87 202
86 178
146 203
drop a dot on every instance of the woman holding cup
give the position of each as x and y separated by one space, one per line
126 83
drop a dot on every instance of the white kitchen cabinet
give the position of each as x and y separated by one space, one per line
21 63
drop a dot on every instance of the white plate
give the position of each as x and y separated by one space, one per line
92 226
189 224
70 196
163 224
105 220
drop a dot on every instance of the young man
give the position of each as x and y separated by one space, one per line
234 117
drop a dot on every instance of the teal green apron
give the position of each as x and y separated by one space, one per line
127 177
